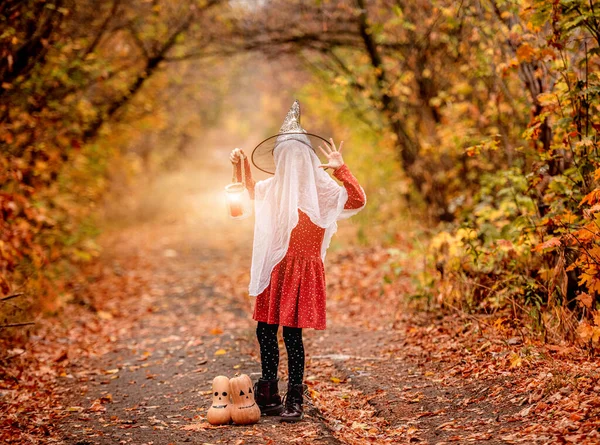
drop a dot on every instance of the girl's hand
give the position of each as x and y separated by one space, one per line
333 155
236 155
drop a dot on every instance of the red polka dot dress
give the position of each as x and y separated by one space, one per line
295 296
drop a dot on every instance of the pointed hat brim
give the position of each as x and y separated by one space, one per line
262 155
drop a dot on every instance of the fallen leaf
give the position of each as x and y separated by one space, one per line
515 360
103 315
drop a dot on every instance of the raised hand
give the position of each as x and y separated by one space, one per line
333 155
236 154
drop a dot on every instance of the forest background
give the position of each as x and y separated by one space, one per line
473 124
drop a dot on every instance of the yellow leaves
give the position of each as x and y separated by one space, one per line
586 234
341 81
451 245
590 333
591 198
587 332
473 151
465 234
336 380
417 398
499 322
515 360
568 217
436 101
220 352
594 254
440 240
590 280
546 99
412 431
585 300
525 52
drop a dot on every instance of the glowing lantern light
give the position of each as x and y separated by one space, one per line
238 199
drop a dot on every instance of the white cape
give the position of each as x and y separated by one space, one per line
298 183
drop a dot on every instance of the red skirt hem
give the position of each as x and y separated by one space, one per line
295 296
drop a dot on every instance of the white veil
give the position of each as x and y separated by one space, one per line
298 183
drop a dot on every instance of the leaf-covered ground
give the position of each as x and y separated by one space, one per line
164 310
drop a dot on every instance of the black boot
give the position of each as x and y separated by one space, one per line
293 404
266 394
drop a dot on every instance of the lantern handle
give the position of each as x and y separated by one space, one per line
243 169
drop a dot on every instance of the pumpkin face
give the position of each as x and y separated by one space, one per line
244 409
219 412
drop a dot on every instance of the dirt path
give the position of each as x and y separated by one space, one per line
132 357
155 386
408 389
369 383
376 375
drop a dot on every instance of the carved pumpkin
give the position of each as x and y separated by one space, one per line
220 411
244 410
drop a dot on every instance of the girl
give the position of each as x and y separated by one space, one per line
295 217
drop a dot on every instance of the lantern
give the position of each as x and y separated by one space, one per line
238 199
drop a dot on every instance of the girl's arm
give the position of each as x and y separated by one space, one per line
248 172
356 195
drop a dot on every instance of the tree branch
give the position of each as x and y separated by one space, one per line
16 325
409 147
11 296
150 67
103 28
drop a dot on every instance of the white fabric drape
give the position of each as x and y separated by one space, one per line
298 183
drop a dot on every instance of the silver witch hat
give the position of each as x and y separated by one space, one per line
262 155
291 123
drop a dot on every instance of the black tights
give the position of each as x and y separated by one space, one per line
269 351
